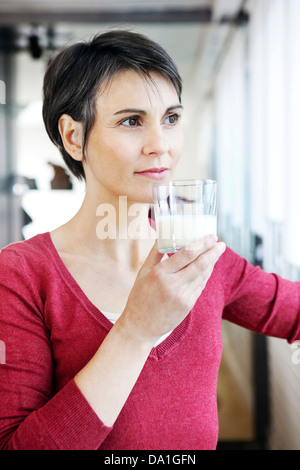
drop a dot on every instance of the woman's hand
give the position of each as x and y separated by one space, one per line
165 291
163 294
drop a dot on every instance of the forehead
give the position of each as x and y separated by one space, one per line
129 88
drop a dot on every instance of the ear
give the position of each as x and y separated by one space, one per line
72 136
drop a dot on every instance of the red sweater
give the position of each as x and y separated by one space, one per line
50 330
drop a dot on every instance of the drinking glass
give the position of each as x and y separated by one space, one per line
184 211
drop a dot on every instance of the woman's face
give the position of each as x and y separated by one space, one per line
137 137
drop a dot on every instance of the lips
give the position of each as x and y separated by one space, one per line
154 173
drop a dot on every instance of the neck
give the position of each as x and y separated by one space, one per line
119 230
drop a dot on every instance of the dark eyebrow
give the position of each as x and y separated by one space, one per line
141 111
176 106
130 111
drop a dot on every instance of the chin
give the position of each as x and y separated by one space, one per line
142 200
140 194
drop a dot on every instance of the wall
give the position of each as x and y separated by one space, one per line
232 157
10 213
256 100
4 233
275 29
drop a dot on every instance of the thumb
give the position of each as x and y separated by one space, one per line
153 258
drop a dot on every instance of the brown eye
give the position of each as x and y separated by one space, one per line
172 119
130 122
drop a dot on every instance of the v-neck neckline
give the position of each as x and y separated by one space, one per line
158 352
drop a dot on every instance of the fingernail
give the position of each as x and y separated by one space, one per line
221 247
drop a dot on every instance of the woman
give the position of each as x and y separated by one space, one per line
74 377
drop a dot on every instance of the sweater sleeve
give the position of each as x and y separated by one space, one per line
260 301
31 416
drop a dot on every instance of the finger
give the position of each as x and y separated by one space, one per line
153 258
209 239
188 254
203 265
194 288
199 283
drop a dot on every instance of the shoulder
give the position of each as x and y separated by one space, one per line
24 248
29 254
24 274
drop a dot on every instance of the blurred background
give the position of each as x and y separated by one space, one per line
240 63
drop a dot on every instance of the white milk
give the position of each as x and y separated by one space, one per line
177 231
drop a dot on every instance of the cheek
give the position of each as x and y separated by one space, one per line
177 145
121 146
110 152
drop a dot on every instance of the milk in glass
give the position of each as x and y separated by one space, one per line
178 230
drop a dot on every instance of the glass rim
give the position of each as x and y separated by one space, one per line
187 182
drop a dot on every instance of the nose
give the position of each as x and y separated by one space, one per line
156 142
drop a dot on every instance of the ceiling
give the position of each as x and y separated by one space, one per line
194 32
37 5
150 10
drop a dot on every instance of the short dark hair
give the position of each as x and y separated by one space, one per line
74 75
